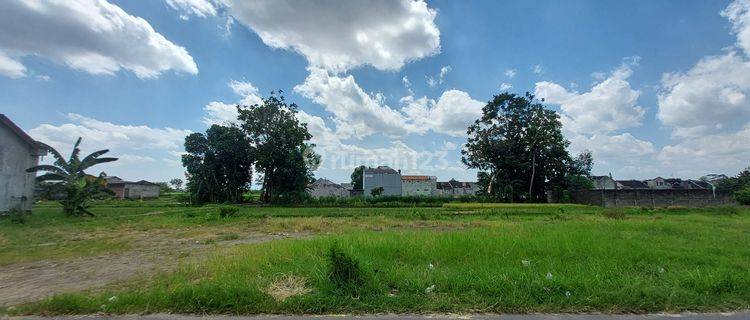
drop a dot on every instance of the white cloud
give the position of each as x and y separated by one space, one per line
340 35
198 8
608 147
137 146
356 113
94 36
710 97
738 13
721 152
454 111
10 67
537 69
433 81
222 113
510 73
505 86
611 105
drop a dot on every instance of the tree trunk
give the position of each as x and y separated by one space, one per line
533 172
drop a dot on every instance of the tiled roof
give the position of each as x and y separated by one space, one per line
632 184
416 178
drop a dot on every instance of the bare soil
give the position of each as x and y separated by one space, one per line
32 281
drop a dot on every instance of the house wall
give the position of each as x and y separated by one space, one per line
16 185
141 191
605 183
419 187
651 198
391 183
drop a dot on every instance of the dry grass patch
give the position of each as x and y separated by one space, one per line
286 286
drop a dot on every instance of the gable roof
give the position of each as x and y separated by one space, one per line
416 178
18 131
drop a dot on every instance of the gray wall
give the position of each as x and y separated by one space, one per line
651 198
140 191
16 185
419 187
391 183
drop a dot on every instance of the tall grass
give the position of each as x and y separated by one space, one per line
677 263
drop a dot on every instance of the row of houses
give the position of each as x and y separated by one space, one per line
394 184
658 183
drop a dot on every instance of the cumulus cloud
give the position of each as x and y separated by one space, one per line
451 114
223 113
340 35
611 104
708 108
505 86
510 73
137 146
94 36
356 113
433 81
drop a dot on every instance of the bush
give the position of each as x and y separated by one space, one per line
17 216
228 211
743 196
346 273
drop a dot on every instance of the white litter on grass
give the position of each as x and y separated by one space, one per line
661 270
430 266
112 299
567 294
526 263
549 275
429 289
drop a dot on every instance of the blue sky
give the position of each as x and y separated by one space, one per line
650 87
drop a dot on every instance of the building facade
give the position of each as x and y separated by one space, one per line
604 183
18 152
455 188
419 185
326 188
132 190
384 177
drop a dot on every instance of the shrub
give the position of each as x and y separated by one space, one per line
228 211
346 273
743 196
17 216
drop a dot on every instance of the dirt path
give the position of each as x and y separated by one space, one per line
24 282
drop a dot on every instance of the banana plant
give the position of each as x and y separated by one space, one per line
79 188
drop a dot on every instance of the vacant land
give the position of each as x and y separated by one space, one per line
162 257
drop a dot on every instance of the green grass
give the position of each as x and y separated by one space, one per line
640 263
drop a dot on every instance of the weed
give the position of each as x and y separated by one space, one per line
346 273
228 211
286 286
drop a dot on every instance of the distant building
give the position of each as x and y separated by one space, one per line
382 176
326 188
18 152
456 188
714 178
631 184
658 183
132 190
604 183
419 185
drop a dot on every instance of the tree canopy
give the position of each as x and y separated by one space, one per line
283 153
519 148
356 177
219 164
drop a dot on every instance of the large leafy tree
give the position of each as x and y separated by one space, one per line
219 164
518 147
69 177
283 154
356 177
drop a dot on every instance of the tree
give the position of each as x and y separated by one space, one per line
219 164
583 163
377 191
176 183
518 147
735 183
283 154
77 187
357 177
164 187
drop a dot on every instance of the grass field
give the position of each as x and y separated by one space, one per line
457 258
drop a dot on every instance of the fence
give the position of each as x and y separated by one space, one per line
649 198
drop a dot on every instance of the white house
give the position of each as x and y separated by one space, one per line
419 185
18 152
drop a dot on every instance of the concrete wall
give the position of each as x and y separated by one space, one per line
135 191
16 185
419 187
391 183
651 198
328 190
